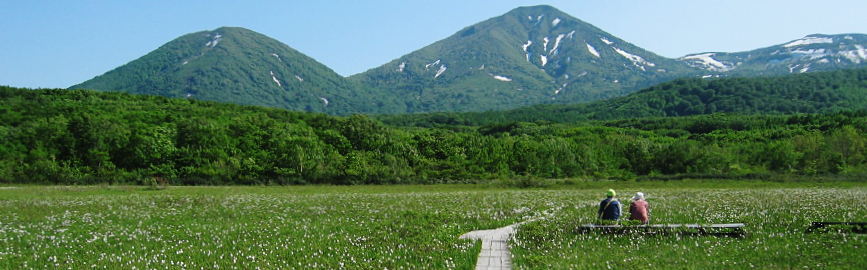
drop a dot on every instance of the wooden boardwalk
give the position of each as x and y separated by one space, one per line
732 229
824 226
495 253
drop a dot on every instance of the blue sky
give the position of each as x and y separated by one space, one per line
56 44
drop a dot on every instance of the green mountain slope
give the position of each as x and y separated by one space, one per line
530 55
239 66
818 92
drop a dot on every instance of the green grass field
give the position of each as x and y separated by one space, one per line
417 227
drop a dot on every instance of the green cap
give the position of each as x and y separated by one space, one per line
611 193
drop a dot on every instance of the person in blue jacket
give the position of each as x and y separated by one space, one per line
609 209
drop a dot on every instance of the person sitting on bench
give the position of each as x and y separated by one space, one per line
609 209
639 209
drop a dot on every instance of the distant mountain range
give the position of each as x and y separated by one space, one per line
811 53
530 55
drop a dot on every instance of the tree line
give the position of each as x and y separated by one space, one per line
54 136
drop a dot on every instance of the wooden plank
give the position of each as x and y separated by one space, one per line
839 223
726 225
728 229
855 227
691 226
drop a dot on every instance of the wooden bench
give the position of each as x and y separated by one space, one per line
855 227
730 229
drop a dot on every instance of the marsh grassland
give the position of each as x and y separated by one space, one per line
417 227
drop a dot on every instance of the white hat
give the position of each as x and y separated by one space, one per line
638 196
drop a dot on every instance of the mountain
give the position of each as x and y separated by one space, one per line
811 53
240 66
530 55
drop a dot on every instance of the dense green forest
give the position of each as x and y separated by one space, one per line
86 137
819 92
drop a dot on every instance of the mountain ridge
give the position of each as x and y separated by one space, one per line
528 56
809 53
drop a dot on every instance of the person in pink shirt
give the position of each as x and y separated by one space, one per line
639 209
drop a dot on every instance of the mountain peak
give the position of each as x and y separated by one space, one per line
535 15
536 9
238 65
530 55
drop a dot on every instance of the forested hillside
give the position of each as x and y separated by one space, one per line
86 137
820 92
240 66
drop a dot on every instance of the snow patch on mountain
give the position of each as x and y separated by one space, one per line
809 40
437 62
544 59
440 71
707 61
571 34
545 46
299 78
861 51
561 88
557 43
855 55
593 50
401 67
813 54
502 78
606 40
325 101
796 66
555 22
638 61
525 46
213 42
275 79
278 57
